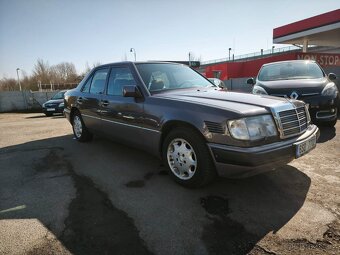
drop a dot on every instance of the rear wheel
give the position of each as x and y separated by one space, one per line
79 129
187 158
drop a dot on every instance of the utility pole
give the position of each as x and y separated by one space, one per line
18 78
134 53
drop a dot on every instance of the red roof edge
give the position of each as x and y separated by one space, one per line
306 24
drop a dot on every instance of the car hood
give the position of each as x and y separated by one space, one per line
55 101
243 103
301 86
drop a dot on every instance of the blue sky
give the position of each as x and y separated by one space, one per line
82 31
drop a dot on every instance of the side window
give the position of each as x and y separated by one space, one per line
86 87
119 77
98 81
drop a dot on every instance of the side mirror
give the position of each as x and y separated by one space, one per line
251 81
131 91
332 76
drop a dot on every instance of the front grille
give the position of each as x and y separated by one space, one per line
214 127
50 105
293 121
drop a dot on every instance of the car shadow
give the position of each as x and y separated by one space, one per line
56 116
326 134
36 116
60 116
231 215
243 211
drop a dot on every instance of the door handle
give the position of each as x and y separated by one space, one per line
105 103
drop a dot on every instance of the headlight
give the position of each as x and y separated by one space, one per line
61 105
330 90
252 128
43 105
259 90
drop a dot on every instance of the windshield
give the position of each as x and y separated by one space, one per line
290 71
59 95
163 76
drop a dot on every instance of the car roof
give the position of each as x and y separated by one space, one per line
289 61
138 62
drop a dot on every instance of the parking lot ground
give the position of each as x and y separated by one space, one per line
58 196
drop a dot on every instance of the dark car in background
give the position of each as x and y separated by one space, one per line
302 80
55 104
198 129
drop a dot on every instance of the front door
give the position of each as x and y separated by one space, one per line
122 116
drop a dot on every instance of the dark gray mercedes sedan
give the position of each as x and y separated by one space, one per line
199 130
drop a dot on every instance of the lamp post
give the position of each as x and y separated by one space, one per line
229 53
18 78
134 52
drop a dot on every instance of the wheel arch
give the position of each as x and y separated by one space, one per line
171 125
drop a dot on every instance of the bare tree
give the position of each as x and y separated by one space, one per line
124 58
41 71
194 58
64 72
88 68
8 84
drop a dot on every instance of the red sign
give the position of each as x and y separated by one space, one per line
323 59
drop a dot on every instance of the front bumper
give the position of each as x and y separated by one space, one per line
53 109
322 108
234 161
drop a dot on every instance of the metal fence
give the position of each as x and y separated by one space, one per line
58 86
23 100
253 55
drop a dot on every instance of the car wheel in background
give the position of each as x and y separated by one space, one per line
79 129
48 114
187 158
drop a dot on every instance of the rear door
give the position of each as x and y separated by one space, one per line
90 100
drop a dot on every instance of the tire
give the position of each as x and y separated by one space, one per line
325 123
187 158
330 123
80 131
48 114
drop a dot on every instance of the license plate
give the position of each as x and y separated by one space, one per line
305 147
50 109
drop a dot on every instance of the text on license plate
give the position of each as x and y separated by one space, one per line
305 147
50 109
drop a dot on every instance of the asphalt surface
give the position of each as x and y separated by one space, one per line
58 196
